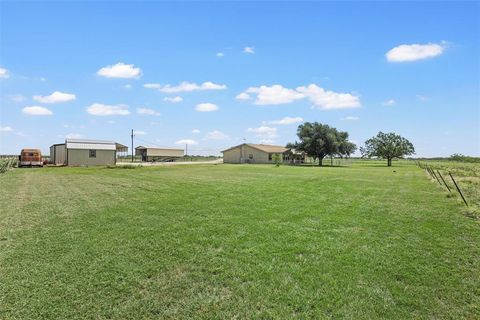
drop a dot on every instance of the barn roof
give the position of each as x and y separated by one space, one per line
90 144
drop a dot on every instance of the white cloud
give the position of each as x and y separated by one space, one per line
186 86
56 97
17 98
243 96
423 98
350 118
389 102
206 107
99 109
139 133
6 129
120 70
220 54
4 74
74 136
152 85
37 111
285 121
127 86
216 135
176 99
321 98
148 112
250 50
195 131
413 52
325 99
267 141
186 141
276 94
264 132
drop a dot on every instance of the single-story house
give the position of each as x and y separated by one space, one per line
150 154
83 152
260 153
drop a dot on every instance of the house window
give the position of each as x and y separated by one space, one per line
92 153
250 156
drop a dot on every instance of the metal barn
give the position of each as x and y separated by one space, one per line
83 152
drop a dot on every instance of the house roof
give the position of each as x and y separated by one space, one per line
262 147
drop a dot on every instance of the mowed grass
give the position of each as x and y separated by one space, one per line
235 241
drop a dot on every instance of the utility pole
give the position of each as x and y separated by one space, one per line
131 135
186 150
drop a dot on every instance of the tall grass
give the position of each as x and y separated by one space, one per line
6 164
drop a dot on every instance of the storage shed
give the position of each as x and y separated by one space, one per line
83 152
149 154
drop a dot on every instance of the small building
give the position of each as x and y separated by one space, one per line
261 153
151 154
83 152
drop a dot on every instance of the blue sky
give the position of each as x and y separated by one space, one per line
214 74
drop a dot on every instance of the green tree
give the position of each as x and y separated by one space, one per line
320 140
277 160
387 146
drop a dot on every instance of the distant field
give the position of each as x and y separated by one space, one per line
235 241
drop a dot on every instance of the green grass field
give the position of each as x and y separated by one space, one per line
235 241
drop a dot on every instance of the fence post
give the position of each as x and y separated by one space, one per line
458 189
438 180
446 185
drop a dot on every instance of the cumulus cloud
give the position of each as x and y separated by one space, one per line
74 136
37 111
127 86
350 118
195 131
243 96
186 141
326 99
120 70
413 52
264 132
176 99
220 54
250 50
276 94
6 129
148 112
206 107
186 86
321 98
99 109
56 97
285 121
389 102
4 74
216 135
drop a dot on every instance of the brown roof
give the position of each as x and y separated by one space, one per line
262 147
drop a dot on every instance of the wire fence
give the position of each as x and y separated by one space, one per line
442 180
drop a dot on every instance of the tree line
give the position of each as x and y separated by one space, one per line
319 140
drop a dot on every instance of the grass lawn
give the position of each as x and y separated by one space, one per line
235 241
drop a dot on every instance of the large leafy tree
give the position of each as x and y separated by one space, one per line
320 140
387 146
